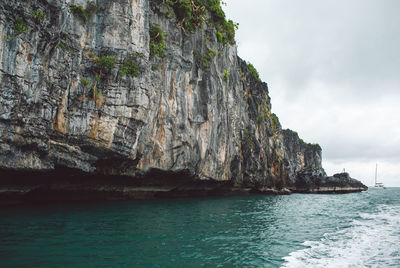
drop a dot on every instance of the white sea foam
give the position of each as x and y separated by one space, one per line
372 241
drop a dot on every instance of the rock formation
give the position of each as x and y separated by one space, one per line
123 99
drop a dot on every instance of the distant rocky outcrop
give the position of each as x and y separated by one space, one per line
125 99
313 181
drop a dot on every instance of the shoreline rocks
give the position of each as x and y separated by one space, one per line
18 187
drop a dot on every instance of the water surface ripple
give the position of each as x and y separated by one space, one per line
353 230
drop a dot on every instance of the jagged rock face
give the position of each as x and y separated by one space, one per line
301 155
178 115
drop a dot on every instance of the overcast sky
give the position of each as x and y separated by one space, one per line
333 71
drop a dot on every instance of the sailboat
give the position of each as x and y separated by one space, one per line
378 184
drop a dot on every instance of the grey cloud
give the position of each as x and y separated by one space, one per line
343 42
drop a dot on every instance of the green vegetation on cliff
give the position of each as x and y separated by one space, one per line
104 65
275 122
226 76
130 68
105 62
192 13
253 71
207 57
157 41
20 26
85 82
84 13
37 14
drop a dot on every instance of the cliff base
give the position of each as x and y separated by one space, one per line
68 185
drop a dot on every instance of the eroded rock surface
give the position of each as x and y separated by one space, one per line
178 116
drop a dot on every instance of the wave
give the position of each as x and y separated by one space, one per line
373 240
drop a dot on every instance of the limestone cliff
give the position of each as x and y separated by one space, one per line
84 99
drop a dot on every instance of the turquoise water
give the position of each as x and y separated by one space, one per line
360 229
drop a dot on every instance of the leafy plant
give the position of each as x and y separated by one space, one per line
39 15
275 122
192 13
20 26
226 76
220 37
96 92
253 71
130 68
216 10
80 12
64 47
85 82
207 57
84 13
157 41
105 62
227 29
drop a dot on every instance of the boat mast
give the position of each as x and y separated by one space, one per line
376 172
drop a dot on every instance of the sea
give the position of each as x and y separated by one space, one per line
298 230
